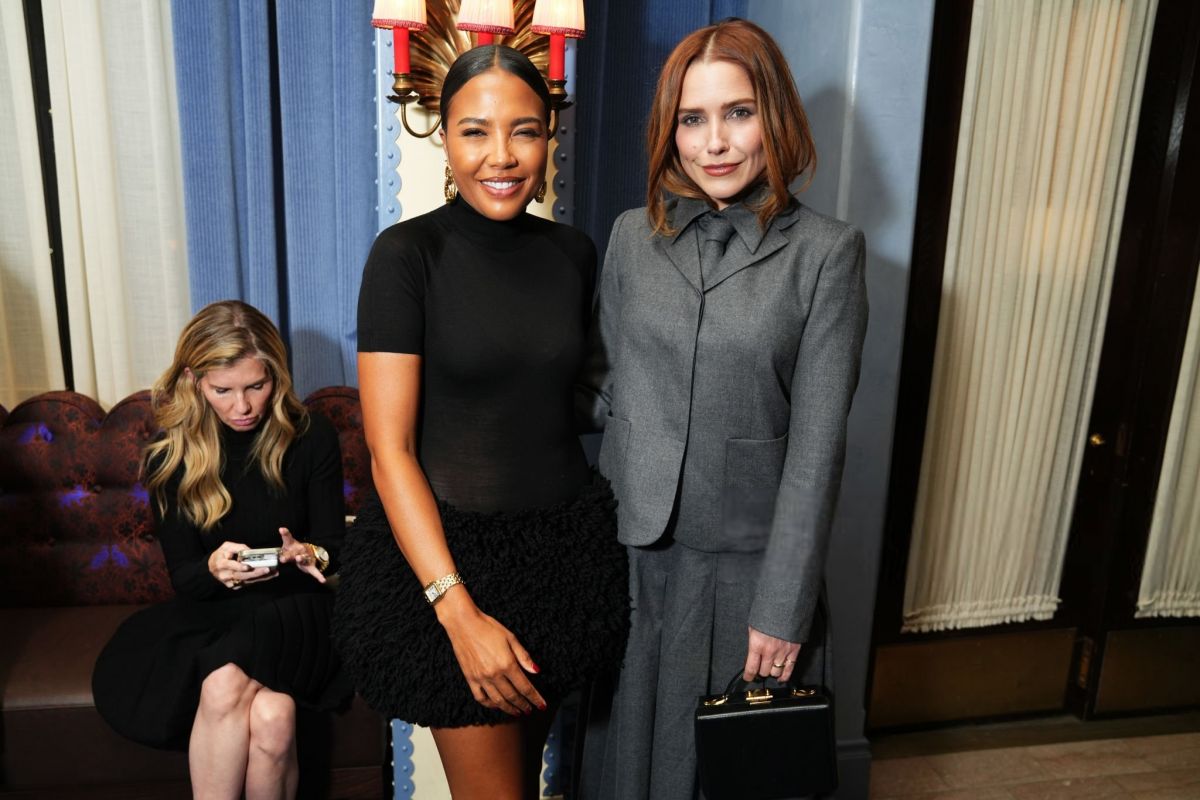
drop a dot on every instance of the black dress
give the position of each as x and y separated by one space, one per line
146 683
498 311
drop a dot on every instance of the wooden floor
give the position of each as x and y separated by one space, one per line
1062 759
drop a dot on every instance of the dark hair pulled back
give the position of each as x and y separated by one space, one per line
478 60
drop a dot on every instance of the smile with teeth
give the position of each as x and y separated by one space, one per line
501 185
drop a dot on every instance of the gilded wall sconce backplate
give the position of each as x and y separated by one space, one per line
434 49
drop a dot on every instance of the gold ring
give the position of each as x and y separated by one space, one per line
777 666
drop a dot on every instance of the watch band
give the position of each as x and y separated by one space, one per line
437 589
320 556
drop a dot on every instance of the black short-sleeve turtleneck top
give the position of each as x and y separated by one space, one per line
498 311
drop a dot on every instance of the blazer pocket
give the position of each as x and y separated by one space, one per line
753 468
643 466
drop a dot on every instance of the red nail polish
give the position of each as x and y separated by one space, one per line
536 669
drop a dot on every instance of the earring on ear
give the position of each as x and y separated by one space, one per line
449 188
540 194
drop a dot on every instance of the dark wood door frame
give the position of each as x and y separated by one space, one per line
943 112
917 679
1155 272
1145 331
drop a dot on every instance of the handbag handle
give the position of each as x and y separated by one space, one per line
738 683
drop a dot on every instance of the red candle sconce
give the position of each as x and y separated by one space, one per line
427 35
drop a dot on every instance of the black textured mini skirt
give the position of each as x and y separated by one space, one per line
556 577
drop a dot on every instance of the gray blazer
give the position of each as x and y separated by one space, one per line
731 389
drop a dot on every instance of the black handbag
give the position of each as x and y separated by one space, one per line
766 742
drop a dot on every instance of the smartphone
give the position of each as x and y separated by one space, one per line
260 557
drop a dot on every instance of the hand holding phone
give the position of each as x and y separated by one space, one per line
226 566
260 557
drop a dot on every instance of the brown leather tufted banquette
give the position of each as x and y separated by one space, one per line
78 555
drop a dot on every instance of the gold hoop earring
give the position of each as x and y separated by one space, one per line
540 194
449 188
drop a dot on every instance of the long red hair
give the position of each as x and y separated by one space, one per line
787 140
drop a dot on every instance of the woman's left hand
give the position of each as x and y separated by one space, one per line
770 657
300 553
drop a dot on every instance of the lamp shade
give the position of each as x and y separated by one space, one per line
559 17
486 16
399 14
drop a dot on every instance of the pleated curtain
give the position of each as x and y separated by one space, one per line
1171 576
277 109
1048 123
120 189
30 356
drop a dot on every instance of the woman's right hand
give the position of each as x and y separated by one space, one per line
490 656
223 564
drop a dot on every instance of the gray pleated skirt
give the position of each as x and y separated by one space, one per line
688 637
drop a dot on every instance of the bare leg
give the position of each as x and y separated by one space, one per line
217 750
494 762
482 762
273 772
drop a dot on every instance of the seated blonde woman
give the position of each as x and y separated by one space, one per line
240 464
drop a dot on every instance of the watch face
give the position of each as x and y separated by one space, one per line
431 593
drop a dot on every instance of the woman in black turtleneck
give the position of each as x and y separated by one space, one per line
239 463
486 581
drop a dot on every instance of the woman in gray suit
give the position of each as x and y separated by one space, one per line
725 353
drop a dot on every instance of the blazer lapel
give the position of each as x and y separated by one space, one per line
738 257
684 252
745 249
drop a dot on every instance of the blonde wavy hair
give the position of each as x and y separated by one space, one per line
219 336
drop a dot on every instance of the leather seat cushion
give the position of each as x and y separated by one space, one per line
46 697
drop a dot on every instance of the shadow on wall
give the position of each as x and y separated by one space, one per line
316 361
872 204
828 119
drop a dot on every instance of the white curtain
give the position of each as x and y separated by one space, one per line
1048 123
30 356
116 137
1171 575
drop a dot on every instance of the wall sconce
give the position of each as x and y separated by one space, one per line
443 30
560 20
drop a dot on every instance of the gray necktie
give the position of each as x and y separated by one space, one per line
715 233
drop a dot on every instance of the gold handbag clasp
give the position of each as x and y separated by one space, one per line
715 701
762 695
803 692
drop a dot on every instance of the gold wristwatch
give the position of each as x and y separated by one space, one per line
437 590
320 556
